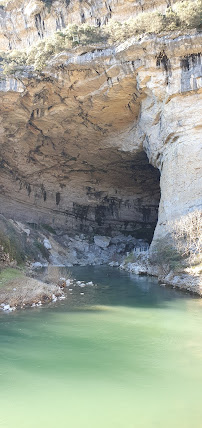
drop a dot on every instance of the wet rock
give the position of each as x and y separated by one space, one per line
137 268
114 264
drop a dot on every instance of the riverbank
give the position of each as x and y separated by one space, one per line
37 246
189 279
18 291
31 287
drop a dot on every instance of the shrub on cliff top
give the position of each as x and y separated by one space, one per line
38 55
183 15
189 13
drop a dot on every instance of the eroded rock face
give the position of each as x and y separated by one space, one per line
25 22
82 143
73 162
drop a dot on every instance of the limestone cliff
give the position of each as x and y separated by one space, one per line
23 22
84 141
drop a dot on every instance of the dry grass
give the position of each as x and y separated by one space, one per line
9 274
24 291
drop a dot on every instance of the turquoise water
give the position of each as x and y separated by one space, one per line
126 354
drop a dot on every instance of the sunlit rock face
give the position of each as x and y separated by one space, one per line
84 142
68 155
25 22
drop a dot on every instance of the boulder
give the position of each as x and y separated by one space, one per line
47 244
36 265
102 241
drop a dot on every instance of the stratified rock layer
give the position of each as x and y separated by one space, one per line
71 163
82 143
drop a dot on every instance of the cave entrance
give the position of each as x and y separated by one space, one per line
121 196
104 192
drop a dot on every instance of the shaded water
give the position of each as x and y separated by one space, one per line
126 354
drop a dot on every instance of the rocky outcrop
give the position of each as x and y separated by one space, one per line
101 147
40 245
182 277
82 143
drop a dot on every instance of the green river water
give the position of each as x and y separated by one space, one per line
126 354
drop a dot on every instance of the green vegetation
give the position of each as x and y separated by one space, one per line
130 258
48 3
165 254
43 250
48 228
15 243
182 16
12 246
8 274
39 54
182 247
40 227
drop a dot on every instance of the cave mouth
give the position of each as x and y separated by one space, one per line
108 192
119 195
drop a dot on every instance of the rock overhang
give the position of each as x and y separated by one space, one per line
73 137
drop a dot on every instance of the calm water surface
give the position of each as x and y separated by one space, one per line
127 354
